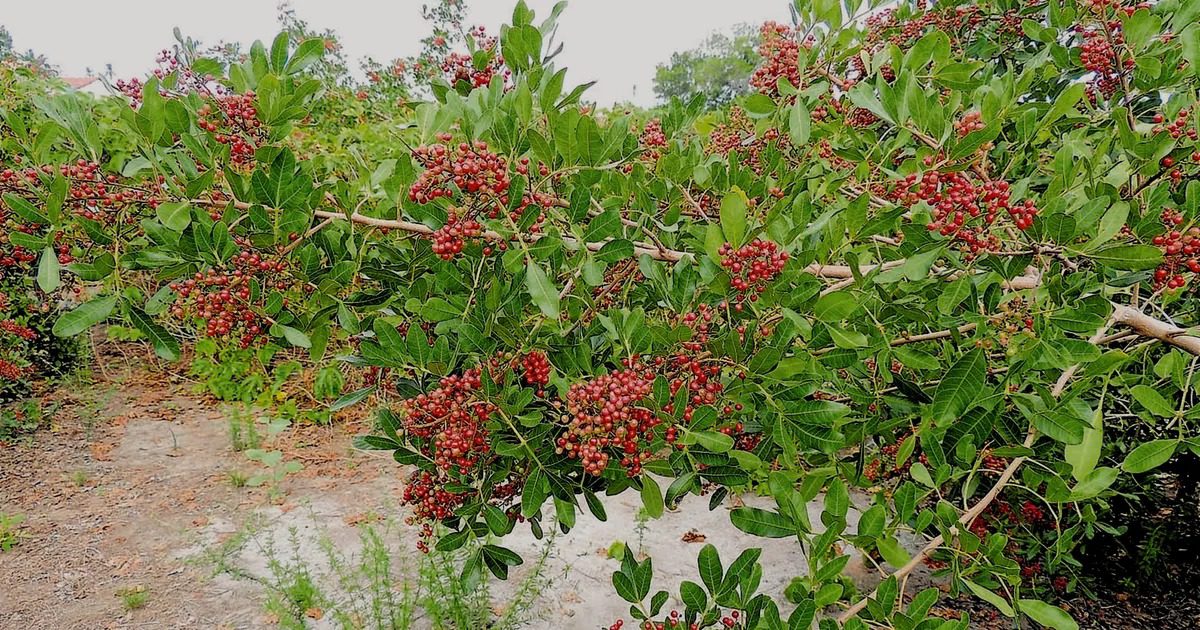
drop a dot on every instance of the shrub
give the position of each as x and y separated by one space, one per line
919 274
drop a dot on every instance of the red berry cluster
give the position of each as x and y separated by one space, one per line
959 23
15 256
539 201
860 118
1180 249
10 371
675 621
450 421
886 466
222 296
652 141
836 162
467 167
448 241
780 51
752 267
738 135
535 370
92 194
523 167
234 122
187 80
1111 7
448 426
700 378
426 493
1176 128
1099 53
955 199
993 463
462 67
971 121
606 415
17 330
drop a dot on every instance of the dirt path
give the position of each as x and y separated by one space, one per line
131 491
133 471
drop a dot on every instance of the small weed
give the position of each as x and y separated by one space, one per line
10 530
133 597
21 419
374 589
80 478
277 470
237 478
243 434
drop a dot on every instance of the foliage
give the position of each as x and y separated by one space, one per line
921 275
370 588
719 69
10 531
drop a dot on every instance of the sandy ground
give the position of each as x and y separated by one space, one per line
131 490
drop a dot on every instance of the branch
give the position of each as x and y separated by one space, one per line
962 330
1140 322
1147 326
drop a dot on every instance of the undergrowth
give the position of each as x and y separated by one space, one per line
376 588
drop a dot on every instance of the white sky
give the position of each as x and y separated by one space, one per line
615 42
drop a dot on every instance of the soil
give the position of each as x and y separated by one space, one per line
130 489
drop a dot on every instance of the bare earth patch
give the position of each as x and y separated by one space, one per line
130 491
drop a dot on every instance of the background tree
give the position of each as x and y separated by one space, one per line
719 69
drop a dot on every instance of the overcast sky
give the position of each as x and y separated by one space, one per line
615 42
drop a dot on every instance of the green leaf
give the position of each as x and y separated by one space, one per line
714 441
48 271
709 563
1084 456
799 123
624 586
893 552
1061 424
1048 615
307 53
25 210
871 523
953 294
84 316
916 359
1064 103
759 105
764 523
295 337
1095 483
835 307
1129 257
542 290
1110 225
1148 456
999 602
166 346
175 215
847 338
652 497
733 216
1152 401
960 386
605 225
352 398
693 595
